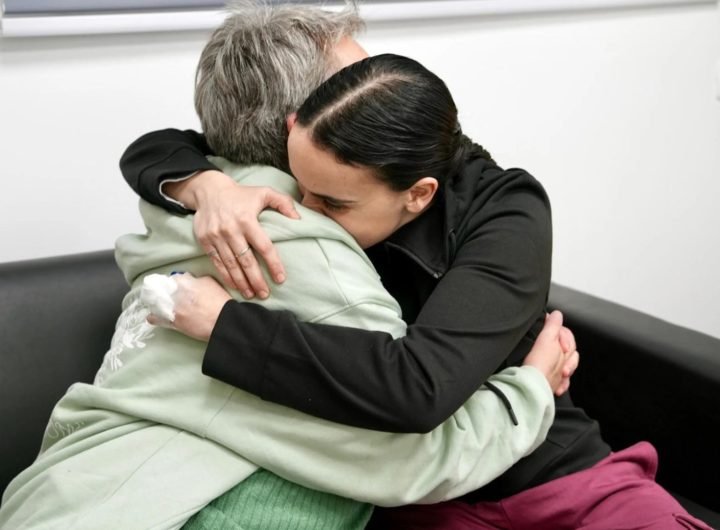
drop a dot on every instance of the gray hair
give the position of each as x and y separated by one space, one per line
258 67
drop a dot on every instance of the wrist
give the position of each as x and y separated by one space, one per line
193 192
540 381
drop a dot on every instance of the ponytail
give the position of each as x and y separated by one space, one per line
467 151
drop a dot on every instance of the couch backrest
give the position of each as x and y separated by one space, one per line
57 316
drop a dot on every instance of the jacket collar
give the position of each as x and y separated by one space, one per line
418 239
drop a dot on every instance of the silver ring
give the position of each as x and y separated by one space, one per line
243 252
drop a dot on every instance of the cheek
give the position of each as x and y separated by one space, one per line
368 231
368 225
356 227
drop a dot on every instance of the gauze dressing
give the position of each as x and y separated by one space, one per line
157 294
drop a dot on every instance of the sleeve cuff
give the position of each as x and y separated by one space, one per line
170 199
180 165
536 381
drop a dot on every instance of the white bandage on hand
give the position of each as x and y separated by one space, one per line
157 294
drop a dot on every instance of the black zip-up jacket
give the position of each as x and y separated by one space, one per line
471 275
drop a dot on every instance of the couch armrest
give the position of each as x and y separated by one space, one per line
645 379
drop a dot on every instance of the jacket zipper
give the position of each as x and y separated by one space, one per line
416 259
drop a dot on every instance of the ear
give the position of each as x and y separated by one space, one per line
421 194
290 121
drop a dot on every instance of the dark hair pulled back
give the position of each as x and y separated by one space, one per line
391 114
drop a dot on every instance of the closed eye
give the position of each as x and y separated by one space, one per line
333 206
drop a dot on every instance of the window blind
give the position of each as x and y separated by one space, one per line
24 18
57 7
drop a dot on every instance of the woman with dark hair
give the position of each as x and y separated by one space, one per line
465 248
393 124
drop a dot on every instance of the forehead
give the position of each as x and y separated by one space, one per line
320 173
348 51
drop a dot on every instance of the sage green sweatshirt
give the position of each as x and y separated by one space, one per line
153 440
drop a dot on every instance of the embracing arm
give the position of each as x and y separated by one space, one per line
475 445
471 448
479 314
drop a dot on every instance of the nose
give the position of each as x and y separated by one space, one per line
312 202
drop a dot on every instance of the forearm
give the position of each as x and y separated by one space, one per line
471 448
352 376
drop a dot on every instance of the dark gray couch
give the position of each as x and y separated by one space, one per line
642 378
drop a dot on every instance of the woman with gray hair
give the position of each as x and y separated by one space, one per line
257 68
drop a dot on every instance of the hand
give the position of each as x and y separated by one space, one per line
554 353
198 302
227 228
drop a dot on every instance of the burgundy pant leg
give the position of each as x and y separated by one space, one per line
618 493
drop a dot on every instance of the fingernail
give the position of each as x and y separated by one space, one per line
280 278
263 294
248 294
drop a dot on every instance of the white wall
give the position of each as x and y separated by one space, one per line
615 112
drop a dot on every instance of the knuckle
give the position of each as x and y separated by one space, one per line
245 223
264 247
224 232
240 280
247 260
